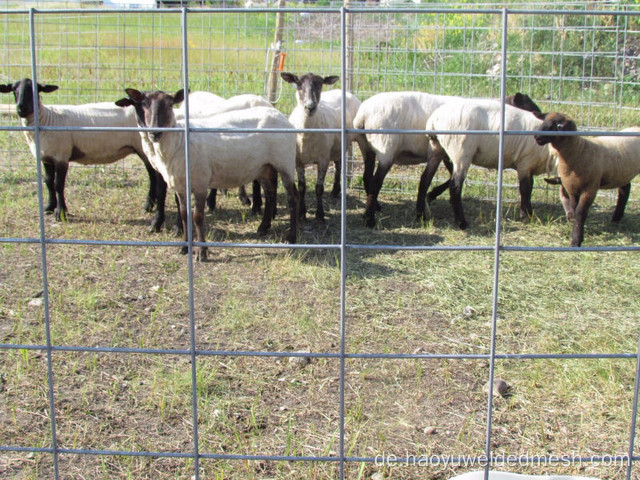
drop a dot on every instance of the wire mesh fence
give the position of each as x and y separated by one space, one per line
357 353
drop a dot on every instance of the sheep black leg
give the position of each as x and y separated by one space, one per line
270 200
293 198
425 180
443 187
61 177
178 228
525 183
322 172
242 196
152 196
372 197
198 220
256 196
623 196
335 191
161 197
211 199
302 190
369 167
49 181
455 194
182 209
582 208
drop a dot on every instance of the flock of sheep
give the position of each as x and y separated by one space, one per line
228 148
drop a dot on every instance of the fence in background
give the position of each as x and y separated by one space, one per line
454 51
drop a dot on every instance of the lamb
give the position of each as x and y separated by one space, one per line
313 111
220 160
587 164
496 475
393 111
58 148
520 151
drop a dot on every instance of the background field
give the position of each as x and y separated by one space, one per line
416 325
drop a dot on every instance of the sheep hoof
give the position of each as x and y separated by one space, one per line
370 222
61 215
201 255
184 250
463 225
148 207
262 231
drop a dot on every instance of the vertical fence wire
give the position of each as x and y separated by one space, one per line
497 244
188 226
43 253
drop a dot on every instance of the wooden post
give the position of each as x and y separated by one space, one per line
276 47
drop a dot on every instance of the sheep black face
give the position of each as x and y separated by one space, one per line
23 94
554 122
523 102
309 88
154 110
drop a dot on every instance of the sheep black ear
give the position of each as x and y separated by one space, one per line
289 77
6 88
135 95
179 96
47 88
124 102
331 79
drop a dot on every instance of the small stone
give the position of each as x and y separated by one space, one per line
36 302
469 311
500 387
429 430
300 361
377 476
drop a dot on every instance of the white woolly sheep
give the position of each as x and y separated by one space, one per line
204 104
588 164
220 160
393 111
58 148
312 111
519 100
495 475
520 151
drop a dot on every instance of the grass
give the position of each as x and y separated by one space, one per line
397 302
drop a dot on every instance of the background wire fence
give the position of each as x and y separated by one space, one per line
586 65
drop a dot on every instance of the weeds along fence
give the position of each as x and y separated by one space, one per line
239 408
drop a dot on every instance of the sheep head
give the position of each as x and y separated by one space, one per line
523 102
23 94
309 89
153 110
554 122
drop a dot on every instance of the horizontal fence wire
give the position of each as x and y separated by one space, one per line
392 49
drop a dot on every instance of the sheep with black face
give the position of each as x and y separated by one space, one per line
221 157
58 148
315 110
